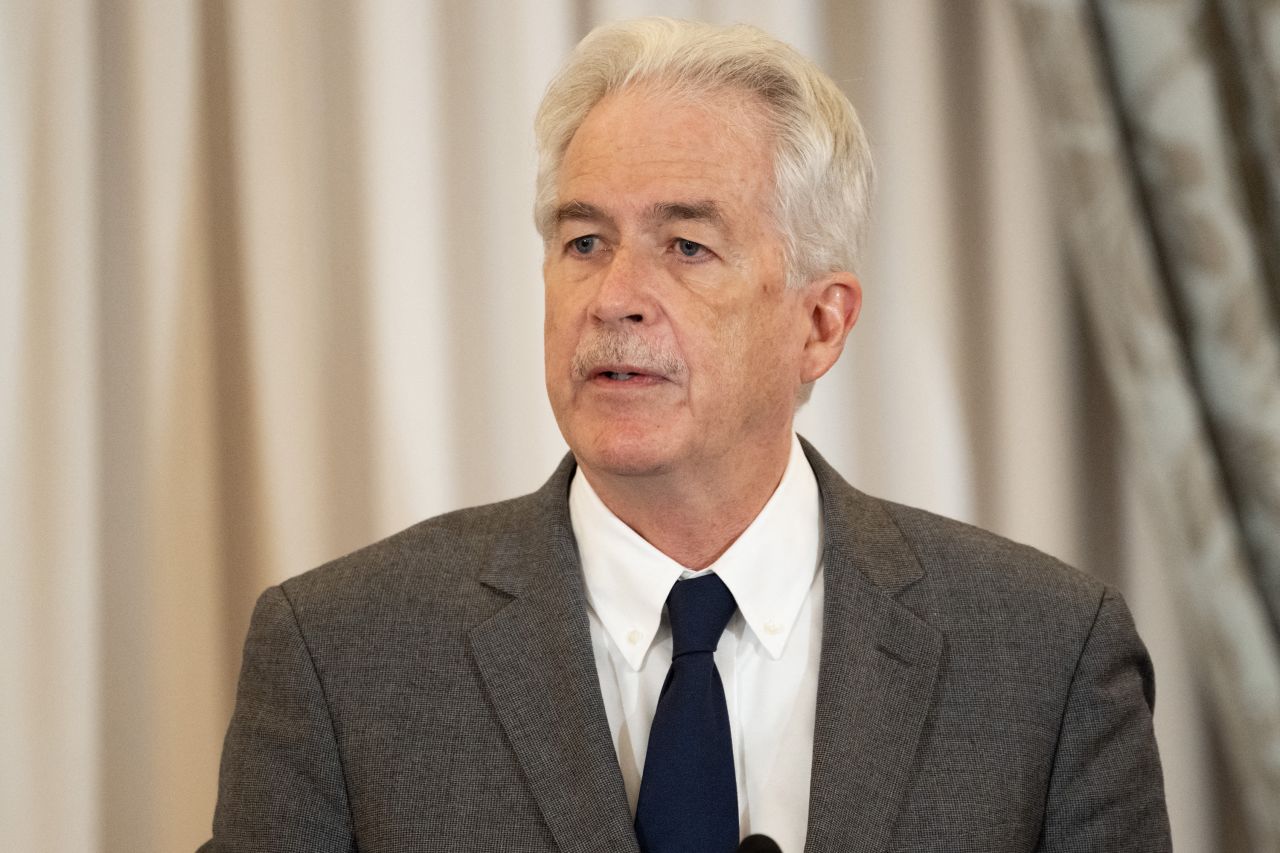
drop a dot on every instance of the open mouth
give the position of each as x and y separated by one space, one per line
621 374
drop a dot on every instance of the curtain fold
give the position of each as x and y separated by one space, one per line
49 447
1158 127
1248 35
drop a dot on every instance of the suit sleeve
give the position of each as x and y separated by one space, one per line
281 787
1106 791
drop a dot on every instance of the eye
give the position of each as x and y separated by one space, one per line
688 248
583 245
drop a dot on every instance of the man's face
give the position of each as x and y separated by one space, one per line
672 342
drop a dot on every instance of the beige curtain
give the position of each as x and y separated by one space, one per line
269 289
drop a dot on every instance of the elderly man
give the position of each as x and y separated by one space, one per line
696 630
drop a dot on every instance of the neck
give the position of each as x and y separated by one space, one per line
693 517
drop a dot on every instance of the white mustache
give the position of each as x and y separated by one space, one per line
612 348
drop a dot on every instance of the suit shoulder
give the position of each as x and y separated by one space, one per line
973 571
441 553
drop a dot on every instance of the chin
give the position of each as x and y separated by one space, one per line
622 463
624 450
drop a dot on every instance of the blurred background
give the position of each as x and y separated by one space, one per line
270 290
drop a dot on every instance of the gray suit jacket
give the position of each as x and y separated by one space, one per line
437 691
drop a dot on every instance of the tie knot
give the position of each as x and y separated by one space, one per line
699 610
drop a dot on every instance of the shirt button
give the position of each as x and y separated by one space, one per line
633 636
772 629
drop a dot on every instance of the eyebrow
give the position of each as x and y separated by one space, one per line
704 210
701 211
579 210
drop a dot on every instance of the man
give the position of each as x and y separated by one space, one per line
696 629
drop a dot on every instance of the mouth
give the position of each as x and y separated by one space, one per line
623 374
609 359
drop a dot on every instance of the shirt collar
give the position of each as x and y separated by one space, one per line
769 568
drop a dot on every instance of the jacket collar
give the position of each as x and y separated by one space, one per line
876 678
535 658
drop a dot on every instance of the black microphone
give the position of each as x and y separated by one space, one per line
759 844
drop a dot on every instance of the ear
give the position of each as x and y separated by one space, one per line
833 304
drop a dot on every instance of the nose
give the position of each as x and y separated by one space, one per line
624 293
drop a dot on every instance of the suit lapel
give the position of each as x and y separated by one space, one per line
536 660
876 678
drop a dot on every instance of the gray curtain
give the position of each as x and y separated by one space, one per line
1163 119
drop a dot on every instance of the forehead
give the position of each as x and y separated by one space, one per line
645 146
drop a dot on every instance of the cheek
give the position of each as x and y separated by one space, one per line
559 344
721 361
558 313
762 350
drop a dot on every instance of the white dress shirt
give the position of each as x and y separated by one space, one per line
767 657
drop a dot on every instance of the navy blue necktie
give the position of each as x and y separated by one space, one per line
688 795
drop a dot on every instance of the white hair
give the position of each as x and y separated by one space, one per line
822 168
